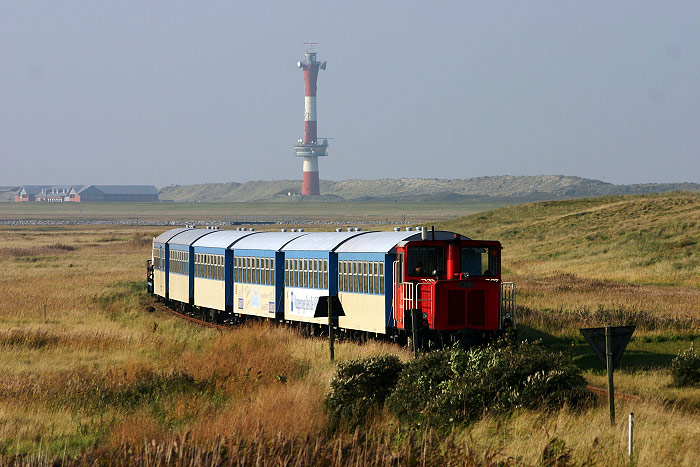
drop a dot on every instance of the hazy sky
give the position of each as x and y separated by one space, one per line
146 92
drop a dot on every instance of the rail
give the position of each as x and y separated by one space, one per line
412 297
408 294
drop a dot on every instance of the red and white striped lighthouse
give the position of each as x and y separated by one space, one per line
310 148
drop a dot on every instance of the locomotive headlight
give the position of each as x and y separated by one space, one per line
425 315
507 315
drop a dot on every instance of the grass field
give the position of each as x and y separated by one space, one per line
87 370
338 212
632 258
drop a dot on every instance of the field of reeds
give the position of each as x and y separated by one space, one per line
93 371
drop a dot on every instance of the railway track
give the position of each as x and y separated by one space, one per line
200 322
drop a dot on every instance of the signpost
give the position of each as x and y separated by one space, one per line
331 307
609 344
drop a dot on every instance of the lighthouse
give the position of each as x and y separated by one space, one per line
310 148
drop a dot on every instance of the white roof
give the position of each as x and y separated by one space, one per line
267 240
165 236
221 238
188 237
320 241
386 242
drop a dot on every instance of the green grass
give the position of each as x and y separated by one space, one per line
613 260
649 239
642 352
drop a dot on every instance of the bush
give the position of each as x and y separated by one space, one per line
420 381
458 386
359 388
685 368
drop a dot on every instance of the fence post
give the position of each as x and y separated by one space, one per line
631 435
609 361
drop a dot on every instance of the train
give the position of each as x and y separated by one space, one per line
382 284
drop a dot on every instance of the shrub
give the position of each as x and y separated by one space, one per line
360 387
685 368
420 382
458 386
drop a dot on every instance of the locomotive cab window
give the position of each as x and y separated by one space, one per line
480 261
425 261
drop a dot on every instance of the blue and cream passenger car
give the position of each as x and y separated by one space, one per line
382 279
213 258
258 271
311 272
180 270
365 280
161 262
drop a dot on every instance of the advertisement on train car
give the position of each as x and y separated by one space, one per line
254 299
302 302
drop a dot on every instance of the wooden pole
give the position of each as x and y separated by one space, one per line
609 361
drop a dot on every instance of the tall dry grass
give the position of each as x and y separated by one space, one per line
571 293
102 378
257 448
102 369
591 440
525 438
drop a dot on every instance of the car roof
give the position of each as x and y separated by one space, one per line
386 242
267 240
320 241
188 237
222 238
167 235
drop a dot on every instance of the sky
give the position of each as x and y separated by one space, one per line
182 92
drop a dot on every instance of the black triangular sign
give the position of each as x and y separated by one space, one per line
322 307
620 337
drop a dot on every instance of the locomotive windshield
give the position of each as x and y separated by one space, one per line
425 261
480 261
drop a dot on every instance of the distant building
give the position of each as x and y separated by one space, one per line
44 193
115 193
56 193
86 193
28 193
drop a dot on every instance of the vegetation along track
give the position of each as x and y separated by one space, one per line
602 392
